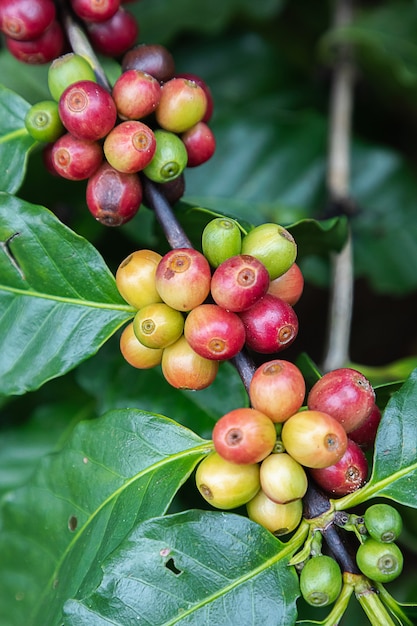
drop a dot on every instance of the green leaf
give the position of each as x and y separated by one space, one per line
194 568
15 141
394 469
58 300
112 473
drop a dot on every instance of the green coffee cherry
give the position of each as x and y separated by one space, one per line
157 325
273 245
67 69
220 240
381 562
320 580
169 160
43 123
383 522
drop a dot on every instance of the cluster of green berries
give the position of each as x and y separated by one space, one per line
193 311
34 33
152 122
265 455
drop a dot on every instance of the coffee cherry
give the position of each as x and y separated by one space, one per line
87 110
239 282
273 245
214 332
183 103
76 159
210 103
183 278
383 522
381 562
289 286
279 519
66 70
346 475
135 278
345 394
183 368
154 59
136 94
49 45
277 388
220 240
26 20
172 190
226 485
42 121
135 353
314 438
200 143
47 159
244 436
130 146
282 478
169 160
115 35
112 197
93 11
271 325
321 580
365 434
157 325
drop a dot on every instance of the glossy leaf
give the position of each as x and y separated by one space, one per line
58 300
15 141
394 470
194 568
112 473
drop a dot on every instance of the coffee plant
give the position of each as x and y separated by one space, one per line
208 380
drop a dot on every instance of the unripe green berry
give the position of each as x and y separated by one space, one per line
226 485
66 70
169 160
157 325
43 123
220 240
321 581
381 562
273 245
383 522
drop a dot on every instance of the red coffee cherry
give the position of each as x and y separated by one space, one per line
112 197
183 103
115 35
130 146
76 159
26 20
277 388
200 144
289 286
154 59
214 332
135 353
346 475
279 519
271 325
365 434
244 436
87 110
183 278
49 45
183 368
344 393
239 282
282 478
135 278
95 11
136 94
314 438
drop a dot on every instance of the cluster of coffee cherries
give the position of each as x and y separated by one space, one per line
34 33
152 122
378 556
264 455
196 309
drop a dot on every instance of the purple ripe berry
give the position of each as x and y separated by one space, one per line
113 198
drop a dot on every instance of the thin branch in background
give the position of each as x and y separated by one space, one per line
338 182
